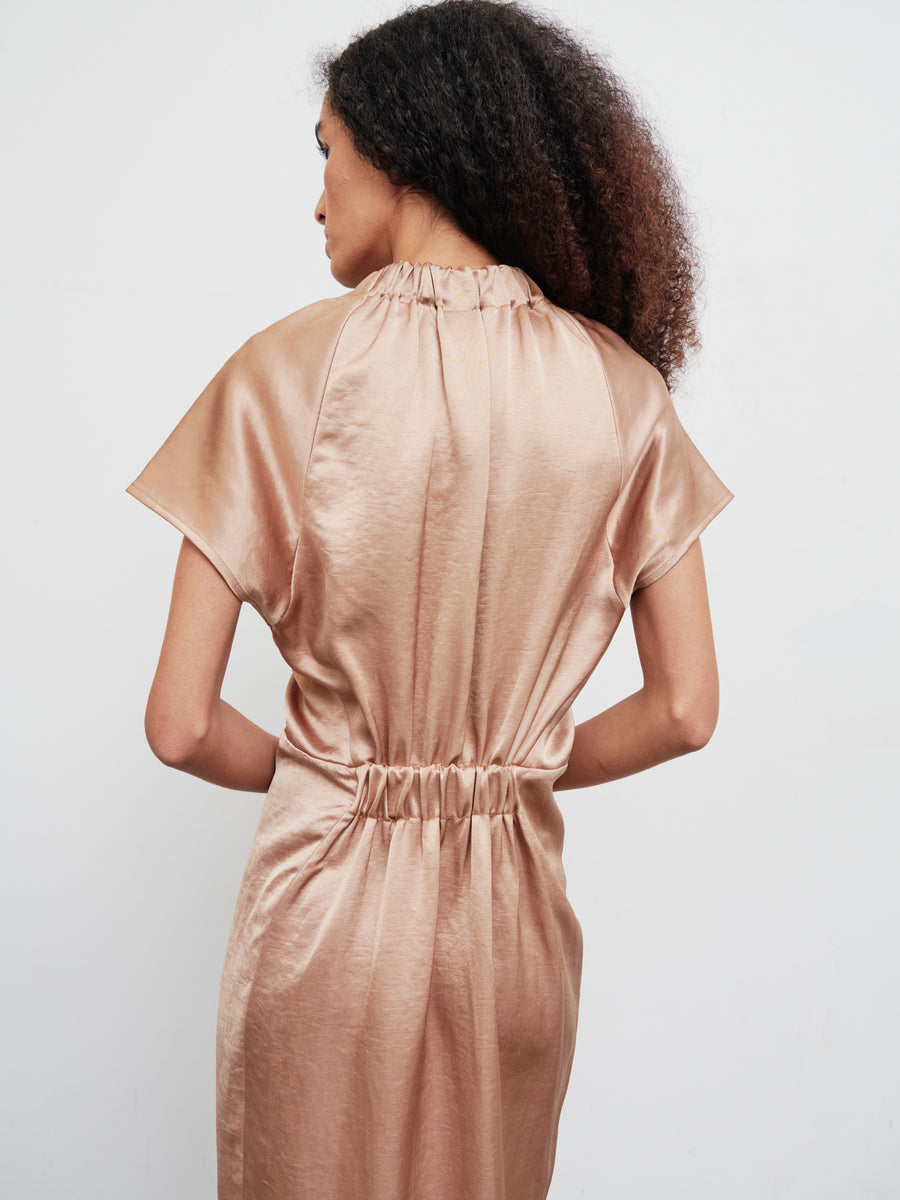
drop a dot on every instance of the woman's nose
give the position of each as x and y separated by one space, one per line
320 209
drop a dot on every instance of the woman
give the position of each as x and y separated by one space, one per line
441 490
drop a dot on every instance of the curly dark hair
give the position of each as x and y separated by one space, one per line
538 151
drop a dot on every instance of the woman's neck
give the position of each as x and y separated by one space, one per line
425 233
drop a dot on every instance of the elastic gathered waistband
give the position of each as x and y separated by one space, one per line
427 791
446 791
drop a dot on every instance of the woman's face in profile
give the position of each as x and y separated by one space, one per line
356 207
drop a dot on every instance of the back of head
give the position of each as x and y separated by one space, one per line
538 151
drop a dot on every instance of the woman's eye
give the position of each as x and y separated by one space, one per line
323 150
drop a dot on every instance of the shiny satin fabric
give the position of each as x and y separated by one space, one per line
439 490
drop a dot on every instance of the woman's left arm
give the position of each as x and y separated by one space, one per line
188 724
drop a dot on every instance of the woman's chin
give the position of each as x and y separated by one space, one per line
348 275
339 269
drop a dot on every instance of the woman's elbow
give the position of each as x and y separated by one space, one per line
172 741
693 719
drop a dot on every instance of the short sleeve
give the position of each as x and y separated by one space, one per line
229 477
669 493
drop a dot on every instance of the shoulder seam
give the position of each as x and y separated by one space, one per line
312 443
582 333
615 417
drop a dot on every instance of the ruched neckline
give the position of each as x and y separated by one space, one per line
495 286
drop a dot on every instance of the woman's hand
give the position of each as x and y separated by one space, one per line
676 710
187 723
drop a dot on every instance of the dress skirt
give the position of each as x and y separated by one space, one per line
399 997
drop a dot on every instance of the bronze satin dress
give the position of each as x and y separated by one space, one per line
439 491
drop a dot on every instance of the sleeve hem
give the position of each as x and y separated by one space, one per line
134 489
686 542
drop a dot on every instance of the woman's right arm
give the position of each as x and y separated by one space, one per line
676 710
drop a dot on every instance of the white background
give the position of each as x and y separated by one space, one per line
738 1035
